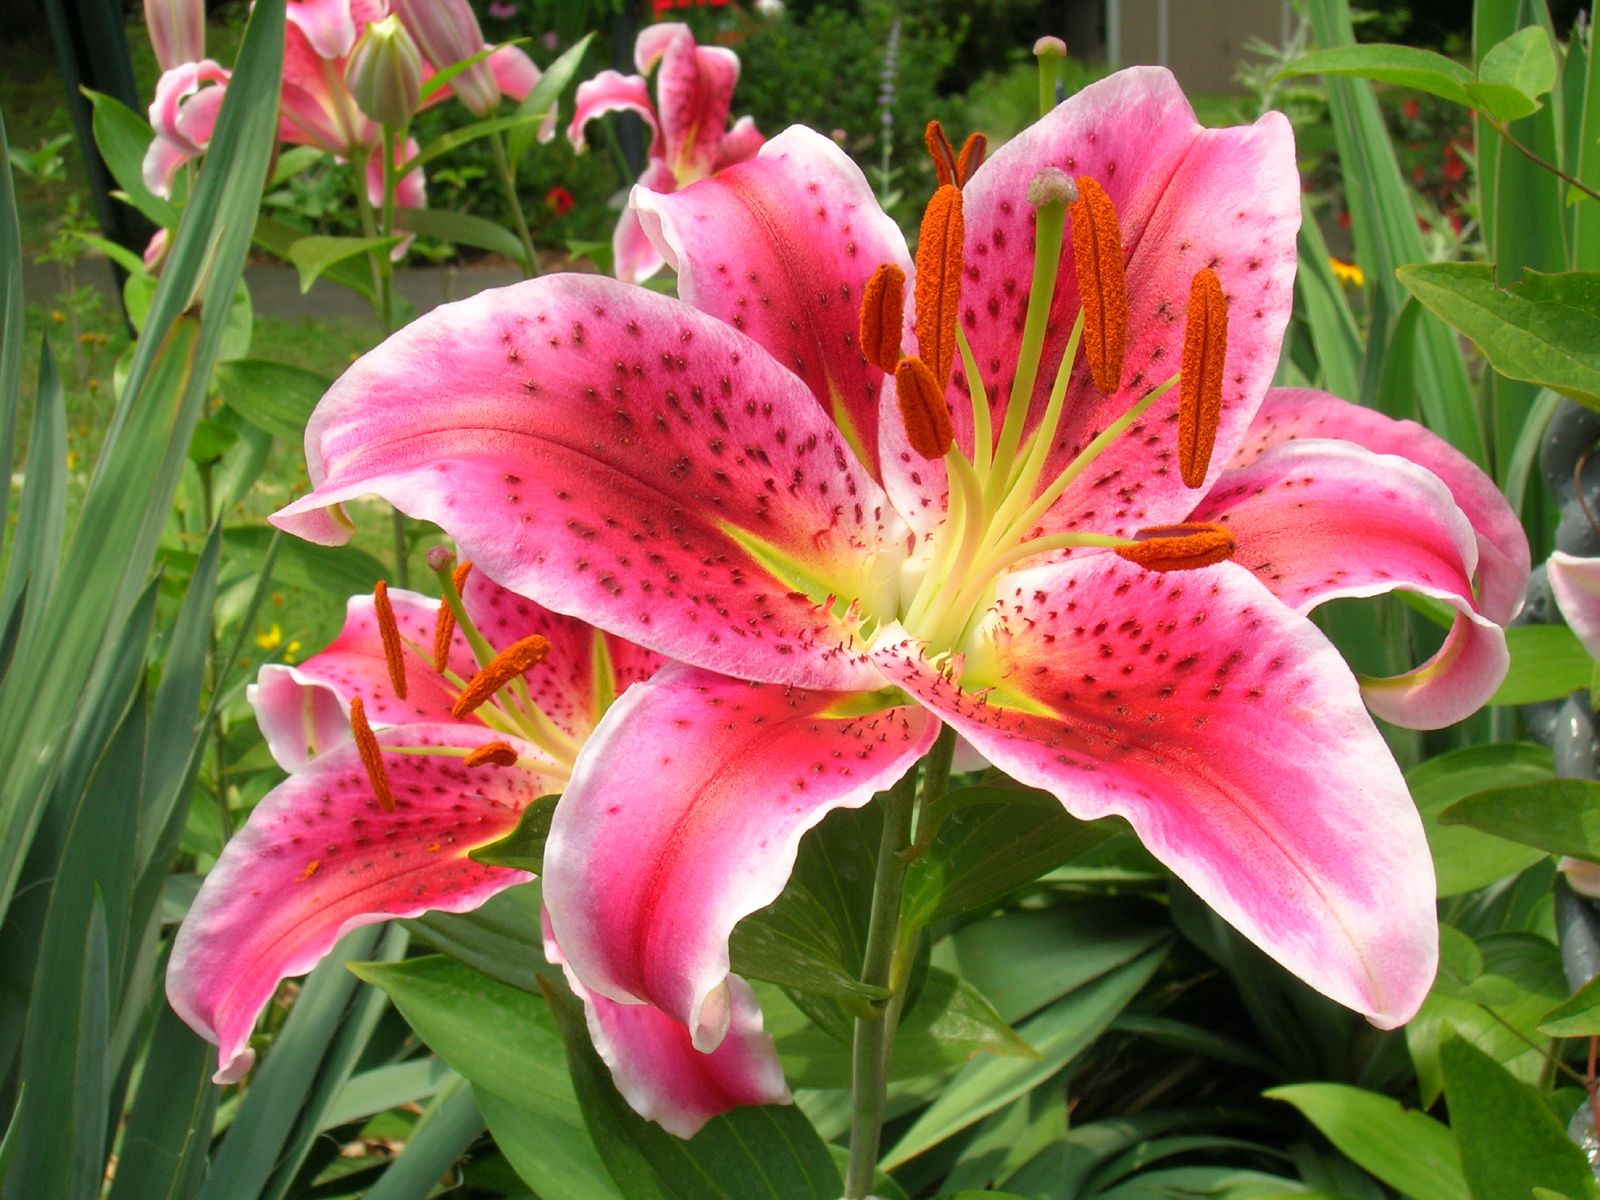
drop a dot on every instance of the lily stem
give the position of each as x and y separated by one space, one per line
885 965
508 183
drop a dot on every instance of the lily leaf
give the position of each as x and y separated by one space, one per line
1514 73
1576 1017
1407 1149
1405 66
523 847
314 255
1547 662
1560 816
1544 330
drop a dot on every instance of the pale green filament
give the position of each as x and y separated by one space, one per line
962 532
560 770
982 434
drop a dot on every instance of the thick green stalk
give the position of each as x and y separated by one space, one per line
508 183
885 965
383 306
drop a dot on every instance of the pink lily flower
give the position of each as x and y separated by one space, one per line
184 116
341 844
177 31
689 134
756 482
1576 584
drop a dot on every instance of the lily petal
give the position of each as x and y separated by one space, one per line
740 144
1316 520
1576 584
319 858
1225 728
653 41
515 75
611 452
781 248
658 1070
330 26
1503 558
611 91
694 95
684 814
634 256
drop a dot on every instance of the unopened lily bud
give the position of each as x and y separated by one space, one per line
384 74
447 33
177 31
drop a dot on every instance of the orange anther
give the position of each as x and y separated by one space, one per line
389 634
371 755
938 290
971 158
1205 345
942 153
506 666
922 408
444 629
883 312
1180 547
1102 283
495 754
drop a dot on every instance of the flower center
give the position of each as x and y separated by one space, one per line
998 495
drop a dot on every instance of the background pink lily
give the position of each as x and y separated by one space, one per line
726 480
321 855
689 134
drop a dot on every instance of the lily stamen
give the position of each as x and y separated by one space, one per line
497 754
973 152
1205 340
509 664
922 409
1102 283
938 287
1185 547
883 311
371 755
389 634
945 164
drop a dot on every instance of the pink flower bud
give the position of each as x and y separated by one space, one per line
177 30
448 33
384 73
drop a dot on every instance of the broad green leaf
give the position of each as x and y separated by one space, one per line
1464 858
1510 1142
546 94
949 1023
523 847
1547 662
1460 961
461 229
315 254
1558 816
272 396
1514 74
504 1041
1403 65
493 939
122 137
1544 330
994 841
275 237
765 1153
338 570
1059 1033
1576 1017
1407 1149
130 262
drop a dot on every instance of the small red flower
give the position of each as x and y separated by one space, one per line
559 201
1411 110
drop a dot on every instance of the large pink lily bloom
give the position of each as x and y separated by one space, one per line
689 134
729 480
321 855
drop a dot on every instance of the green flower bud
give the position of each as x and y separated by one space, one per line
384 73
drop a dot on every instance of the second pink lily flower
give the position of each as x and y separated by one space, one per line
733 479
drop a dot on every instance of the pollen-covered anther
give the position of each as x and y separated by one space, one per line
922 408
505 666
973 152
389 633
1205 344
1185 547
938 290
1102 283
492 754
883 311
444 629
942 153
371 755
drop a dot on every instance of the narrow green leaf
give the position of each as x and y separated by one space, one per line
41 514
130 262
272 396
1578 1016
1510 1142
1547 663
447 1127
1058 1034
1407 1149
338 570
1544 330
457 138
542 1150
461 229
1559 816
546 94
766 1153
8 1144
1403 65
169 1128
11 305
432 84
389 1086
522 848
315 254
1583 120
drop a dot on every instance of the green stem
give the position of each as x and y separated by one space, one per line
508 184
383 306
1504 130
885 965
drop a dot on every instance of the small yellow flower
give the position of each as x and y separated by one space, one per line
72 460
1347 273
270 639
291 653
59 317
